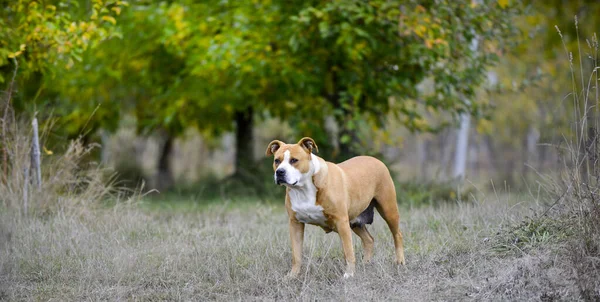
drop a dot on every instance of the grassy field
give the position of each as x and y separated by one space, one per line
240 251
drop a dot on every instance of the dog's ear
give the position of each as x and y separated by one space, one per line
273 147
308 144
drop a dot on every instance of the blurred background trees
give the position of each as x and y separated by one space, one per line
184 90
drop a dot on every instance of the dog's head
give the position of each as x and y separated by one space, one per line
294 164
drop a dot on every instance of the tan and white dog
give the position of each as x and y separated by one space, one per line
337 198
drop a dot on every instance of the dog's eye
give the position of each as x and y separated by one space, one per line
293 161
277 161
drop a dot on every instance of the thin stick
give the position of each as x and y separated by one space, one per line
35 155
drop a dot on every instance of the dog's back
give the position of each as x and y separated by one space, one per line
368 177
361 168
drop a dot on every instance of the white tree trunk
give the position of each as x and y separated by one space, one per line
462 140
462 146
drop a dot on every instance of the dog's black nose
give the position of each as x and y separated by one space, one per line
280 173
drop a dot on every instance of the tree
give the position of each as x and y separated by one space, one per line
367 58
43 39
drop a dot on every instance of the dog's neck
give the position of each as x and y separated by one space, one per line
305 190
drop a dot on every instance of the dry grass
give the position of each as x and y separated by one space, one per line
71 184
241 252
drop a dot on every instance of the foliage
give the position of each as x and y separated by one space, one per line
53 34
359 54
185 64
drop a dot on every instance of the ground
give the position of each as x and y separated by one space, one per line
240 250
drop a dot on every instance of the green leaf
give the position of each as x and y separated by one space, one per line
345 139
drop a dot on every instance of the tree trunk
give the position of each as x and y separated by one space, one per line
347 135
531 141
244 138
492 157
462 146
422 148
164 178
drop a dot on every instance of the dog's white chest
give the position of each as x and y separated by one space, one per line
312 214
304 205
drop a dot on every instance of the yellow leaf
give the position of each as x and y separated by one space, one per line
72 28
503 3
420 30
49 152
14 54
109 19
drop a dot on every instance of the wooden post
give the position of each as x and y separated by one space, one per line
35 155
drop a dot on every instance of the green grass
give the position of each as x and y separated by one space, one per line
184 249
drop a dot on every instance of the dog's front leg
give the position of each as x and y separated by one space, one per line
343 228
296 237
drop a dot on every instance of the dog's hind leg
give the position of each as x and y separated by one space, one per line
388 209
367 241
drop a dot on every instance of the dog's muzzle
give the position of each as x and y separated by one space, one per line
280 177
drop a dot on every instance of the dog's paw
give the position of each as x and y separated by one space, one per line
348 275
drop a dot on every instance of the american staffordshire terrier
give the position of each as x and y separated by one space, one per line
336 197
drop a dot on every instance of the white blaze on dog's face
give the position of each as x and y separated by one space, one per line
293 164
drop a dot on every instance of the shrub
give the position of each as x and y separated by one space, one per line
70 183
